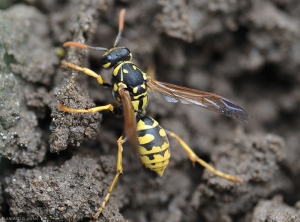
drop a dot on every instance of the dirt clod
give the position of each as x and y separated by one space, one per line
58 166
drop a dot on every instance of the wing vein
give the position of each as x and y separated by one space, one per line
174 94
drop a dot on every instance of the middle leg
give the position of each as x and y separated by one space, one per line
119 170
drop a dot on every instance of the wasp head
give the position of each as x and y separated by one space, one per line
114 56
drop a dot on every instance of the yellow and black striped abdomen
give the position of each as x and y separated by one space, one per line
153 145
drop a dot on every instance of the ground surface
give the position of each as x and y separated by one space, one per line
58 166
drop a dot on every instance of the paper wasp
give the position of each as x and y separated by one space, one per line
130 88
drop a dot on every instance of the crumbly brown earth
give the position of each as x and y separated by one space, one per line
58 166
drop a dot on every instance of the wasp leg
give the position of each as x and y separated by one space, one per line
91 110
119 170
194 158
85 71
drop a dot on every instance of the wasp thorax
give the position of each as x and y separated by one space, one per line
115 55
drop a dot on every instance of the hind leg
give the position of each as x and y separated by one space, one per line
194 158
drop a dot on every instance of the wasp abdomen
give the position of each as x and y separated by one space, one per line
153 145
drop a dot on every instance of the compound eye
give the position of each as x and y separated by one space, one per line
107 58
106 61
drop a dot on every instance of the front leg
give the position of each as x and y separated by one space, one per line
85 71
91 110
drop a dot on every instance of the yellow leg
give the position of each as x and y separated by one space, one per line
91 110
119 170
194 158
85 71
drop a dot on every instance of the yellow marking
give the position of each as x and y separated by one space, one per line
125 71
128 62
159 158
154 149
145 139
116 70
162 133
141 95
141 125
122 85
137 97
143 86
135 105
160 172
136 102
144 76
160 164
106 65
145 102
160 161
135 89
115 87
134 67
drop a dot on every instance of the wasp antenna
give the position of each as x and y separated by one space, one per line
97 48
121 26
75 44
83 46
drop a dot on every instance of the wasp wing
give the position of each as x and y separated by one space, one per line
130 128
174 94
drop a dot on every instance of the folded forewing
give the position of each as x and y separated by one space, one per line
173 93
130 127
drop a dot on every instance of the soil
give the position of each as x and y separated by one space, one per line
58 166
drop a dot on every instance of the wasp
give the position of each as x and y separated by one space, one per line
130 87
